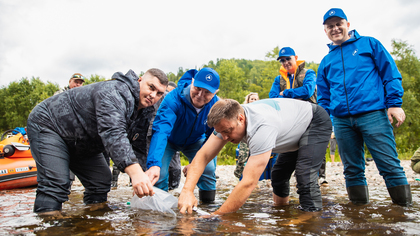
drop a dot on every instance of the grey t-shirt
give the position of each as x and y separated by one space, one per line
276 124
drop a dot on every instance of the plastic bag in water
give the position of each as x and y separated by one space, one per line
161 201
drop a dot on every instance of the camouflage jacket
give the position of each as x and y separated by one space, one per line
243 156
62 90
415 161
99 117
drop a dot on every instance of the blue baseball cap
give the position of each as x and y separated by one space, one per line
286 52
334 12
207 78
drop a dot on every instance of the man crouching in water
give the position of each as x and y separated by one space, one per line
71 130
299 130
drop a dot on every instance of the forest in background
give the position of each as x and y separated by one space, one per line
238 78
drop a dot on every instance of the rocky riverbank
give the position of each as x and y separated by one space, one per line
334 174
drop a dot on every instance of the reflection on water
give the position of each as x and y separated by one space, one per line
257 216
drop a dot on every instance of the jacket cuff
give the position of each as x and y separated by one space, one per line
154 163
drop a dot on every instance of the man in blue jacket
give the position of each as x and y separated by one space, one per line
294 80
181 125
360 85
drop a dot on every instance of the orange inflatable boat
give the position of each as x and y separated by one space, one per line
17 167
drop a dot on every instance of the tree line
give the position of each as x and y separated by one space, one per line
238 78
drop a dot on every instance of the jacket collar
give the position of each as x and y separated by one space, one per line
354 36
300 66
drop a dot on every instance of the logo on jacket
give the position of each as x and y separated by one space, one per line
208 77
332 13
355 52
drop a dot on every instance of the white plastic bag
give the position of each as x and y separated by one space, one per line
161 201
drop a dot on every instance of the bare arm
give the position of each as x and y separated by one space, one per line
207 152
252 172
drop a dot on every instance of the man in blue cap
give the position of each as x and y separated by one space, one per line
181 125
294 80
360 86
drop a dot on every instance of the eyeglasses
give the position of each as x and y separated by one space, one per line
78 77
282 61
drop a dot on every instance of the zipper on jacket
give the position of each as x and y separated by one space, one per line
344 81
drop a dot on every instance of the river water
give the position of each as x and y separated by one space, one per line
256 217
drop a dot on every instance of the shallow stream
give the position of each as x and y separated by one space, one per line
256 217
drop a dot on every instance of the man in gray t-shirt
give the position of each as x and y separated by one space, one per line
270 125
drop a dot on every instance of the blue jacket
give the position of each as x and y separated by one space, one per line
358 77
304 84
177 121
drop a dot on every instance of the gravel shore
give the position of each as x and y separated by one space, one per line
334 174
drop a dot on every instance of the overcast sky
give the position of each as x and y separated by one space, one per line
52 39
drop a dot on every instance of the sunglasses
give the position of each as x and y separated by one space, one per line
283 60
78 77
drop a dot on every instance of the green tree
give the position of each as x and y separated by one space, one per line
93 79
19 98
407 135
232 80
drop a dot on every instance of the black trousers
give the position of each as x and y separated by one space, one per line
54 159
306 162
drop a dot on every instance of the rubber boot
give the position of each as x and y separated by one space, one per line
115 173
401 195
90 198
46 203
358 195
207 196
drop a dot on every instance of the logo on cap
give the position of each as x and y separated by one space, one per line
332 13
283 51
208 77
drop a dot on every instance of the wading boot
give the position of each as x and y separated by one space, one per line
207 196
358 195
401 195
45 204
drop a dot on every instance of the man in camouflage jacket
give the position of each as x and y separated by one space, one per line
415 161
71 130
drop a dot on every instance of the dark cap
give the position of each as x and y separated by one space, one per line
78 76
172 84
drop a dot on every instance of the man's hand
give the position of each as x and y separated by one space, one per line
153 173
186 201
141 183
281 93
398 114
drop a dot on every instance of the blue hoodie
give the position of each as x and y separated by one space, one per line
358 76
177 121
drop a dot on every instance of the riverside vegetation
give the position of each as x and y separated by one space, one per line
238 78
